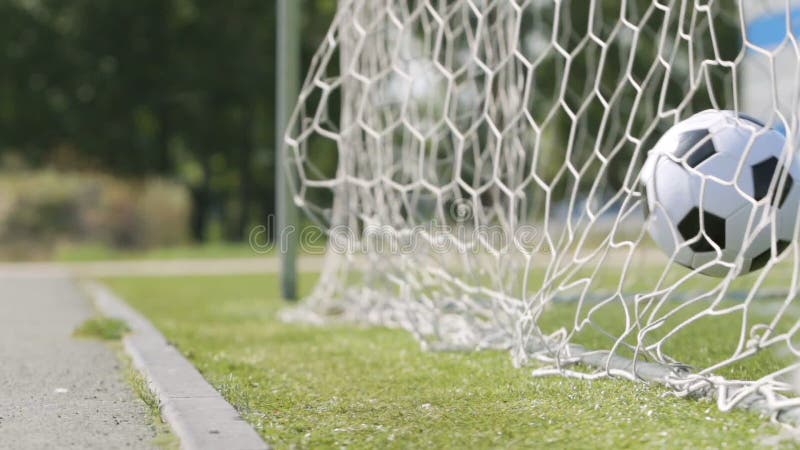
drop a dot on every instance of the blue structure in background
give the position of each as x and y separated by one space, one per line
770 31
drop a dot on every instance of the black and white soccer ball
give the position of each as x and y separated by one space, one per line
721 193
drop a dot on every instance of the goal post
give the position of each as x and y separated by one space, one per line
287 87
477 165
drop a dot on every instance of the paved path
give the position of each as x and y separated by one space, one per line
57 391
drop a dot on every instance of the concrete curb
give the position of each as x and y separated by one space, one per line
197 413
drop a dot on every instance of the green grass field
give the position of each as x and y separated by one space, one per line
337 386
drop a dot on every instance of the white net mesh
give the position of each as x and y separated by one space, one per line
476 166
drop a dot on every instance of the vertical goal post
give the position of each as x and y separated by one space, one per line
287 86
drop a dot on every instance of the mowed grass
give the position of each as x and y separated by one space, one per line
347 386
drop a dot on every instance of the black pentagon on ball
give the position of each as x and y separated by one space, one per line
752 120
763 174
697 144
714 227
762 258
645 203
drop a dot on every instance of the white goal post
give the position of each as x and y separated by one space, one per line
475 165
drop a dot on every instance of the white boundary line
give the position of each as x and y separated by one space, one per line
160 268
197 413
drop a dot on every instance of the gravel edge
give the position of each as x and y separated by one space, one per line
195 411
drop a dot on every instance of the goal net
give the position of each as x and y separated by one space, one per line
475 165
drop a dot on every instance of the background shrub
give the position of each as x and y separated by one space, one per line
43 209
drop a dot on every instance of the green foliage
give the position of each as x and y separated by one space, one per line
338 386
39 210
175 88
185 88
103 328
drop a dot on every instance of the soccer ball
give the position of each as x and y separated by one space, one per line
720 194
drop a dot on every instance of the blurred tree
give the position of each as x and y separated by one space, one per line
181 88
184 88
